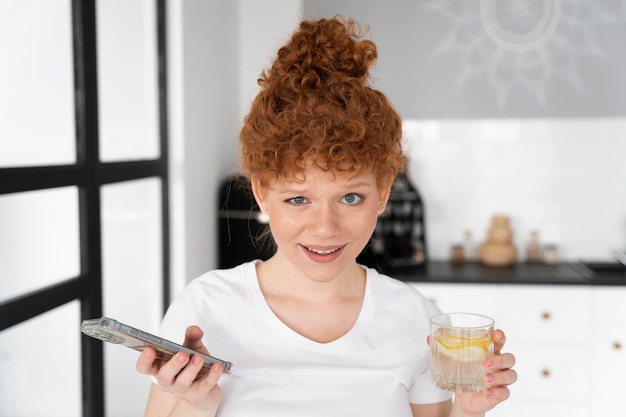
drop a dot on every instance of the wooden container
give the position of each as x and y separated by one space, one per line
498 249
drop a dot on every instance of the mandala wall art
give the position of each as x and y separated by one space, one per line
496 58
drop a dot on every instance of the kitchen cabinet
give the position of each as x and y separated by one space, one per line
569 342
609 351
549 331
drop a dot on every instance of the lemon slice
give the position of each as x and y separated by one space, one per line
470 346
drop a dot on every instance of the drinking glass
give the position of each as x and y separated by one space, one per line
459 343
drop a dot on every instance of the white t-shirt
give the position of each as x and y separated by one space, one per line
376 369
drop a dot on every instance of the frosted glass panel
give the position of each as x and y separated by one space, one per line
39 239
485 59
40 365
36 83
132 268
127 79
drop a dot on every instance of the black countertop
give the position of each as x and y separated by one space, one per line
520 273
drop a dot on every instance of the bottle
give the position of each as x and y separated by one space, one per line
550 255
457 254
469 249
533 250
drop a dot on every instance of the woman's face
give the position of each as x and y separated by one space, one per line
321 225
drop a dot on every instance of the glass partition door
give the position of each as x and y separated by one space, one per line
83 199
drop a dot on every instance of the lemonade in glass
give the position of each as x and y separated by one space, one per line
459 344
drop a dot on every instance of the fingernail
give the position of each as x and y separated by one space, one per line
490 378
488 363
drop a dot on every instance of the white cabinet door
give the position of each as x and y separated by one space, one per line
609 305
541 314
609 370
548 331
542 409
609 351
551 374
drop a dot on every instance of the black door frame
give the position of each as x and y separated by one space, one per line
89 175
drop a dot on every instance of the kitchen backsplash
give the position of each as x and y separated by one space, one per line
565 178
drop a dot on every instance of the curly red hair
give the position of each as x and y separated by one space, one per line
315 107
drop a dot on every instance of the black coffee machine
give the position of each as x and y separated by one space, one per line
241 225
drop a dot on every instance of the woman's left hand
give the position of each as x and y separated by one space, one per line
498 377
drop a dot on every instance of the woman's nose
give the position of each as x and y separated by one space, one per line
325 221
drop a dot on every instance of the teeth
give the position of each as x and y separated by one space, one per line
322 252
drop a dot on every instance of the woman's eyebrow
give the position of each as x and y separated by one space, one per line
358 184
304 190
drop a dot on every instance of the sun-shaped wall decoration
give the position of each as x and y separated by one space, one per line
524 43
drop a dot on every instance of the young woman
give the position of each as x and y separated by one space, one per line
311 332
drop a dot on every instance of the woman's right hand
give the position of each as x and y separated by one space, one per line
179 377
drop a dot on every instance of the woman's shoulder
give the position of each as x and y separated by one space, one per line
222 282
389 289
387 283
234 274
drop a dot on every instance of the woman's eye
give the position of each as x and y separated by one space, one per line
352 198
297 200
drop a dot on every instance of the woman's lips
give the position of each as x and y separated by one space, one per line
322 254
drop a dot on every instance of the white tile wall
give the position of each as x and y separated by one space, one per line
565 178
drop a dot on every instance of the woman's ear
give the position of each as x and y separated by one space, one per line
259 193
384 193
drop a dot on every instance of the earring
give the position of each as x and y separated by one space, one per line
381 205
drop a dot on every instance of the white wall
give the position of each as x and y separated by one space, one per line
264 27
562 177
203 109
217 51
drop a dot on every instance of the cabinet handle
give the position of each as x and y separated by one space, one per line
617 345
545 372
546 315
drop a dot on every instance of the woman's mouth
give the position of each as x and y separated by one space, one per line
322 251
322 255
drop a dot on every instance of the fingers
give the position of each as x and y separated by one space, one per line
180 366
167 371
190 384
500 378
214 375
189 373
499 372
498 341
497 394
499 362
147 363
193 337
185 376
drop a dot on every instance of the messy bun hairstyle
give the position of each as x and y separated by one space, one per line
315 107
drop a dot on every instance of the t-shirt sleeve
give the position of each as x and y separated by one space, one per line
423 390
180 315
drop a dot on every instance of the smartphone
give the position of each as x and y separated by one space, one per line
112 331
